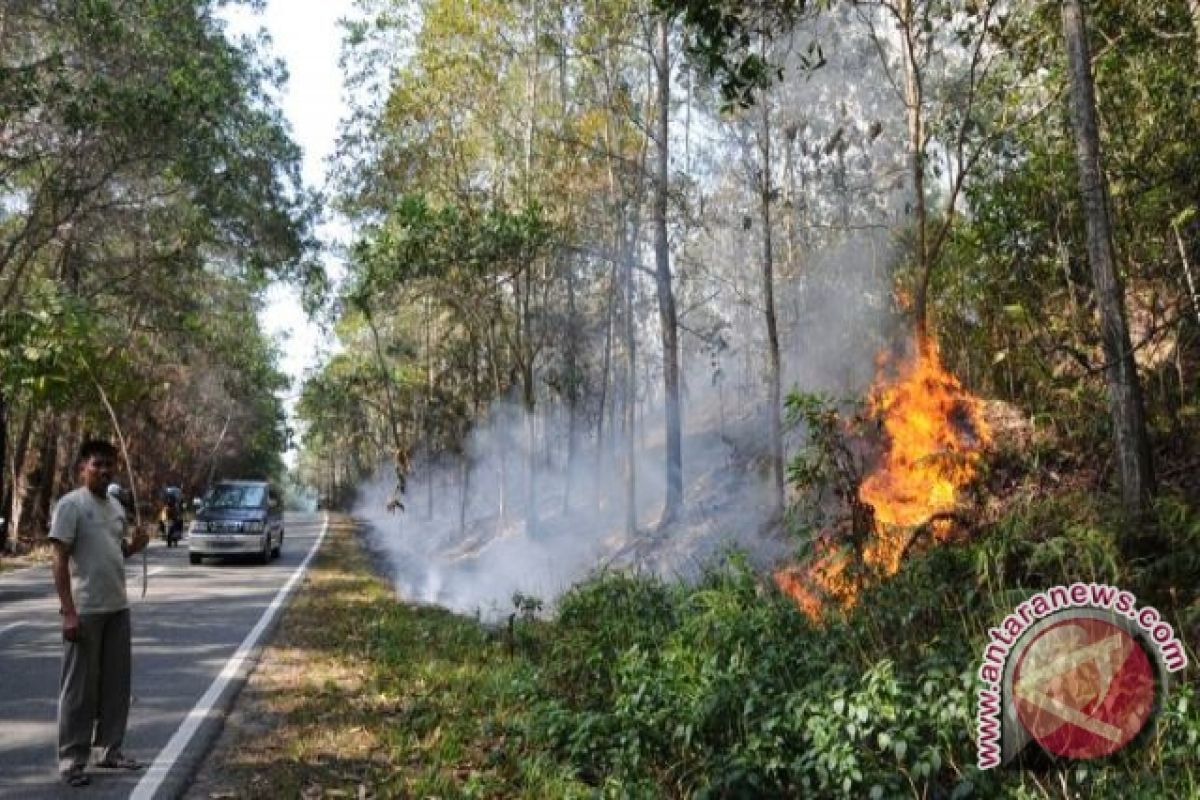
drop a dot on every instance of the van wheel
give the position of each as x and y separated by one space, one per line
265 556
193 558
275 550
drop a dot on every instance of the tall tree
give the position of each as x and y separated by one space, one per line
1130 440
668 323
766 194
154 191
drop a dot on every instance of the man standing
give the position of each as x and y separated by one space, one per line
88 534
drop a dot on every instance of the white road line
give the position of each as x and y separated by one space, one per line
167 757
12 626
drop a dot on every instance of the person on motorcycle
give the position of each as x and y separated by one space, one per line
170 517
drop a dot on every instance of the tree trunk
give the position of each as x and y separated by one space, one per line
606 361
16 501
630 398
498 388
47 469
1194 10
572 384
789 194
68 444
528 402
913 102
426 431
1132 444
1187 267
531 100
573 325
464 481
775 399
4 505
666 297
400 458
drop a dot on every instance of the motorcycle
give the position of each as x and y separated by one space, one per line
170 519
174 532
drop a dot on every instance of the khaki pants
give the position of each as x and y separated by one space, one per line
93 699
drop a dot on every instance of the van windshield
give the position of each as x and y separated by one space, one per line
228 496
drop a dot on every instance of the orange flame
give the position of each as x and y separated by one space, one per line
821 579
935 433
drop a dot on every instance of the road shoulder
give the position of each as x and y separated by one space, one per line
253 747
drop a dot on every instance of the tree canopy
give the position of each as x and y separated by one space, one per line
150 192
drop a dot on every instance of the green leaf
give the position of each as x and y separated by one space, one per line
1016 311
1184 217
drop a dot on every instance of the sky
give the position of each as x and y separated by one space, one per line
305 34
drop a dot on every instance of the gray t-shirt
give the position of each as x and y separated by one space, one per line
92 529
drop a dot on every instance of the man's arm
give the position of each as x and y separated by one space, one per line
61 570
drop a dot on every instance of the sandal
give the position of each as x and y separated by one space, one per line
75 776
119 760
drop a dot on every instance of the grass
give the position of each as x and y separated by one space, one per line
360 696
644 689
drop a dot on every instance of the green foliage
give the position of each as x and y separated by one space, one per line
423 265
743 697
827 460
151 192
723 38
1016 316
418 240
724 689
45 345
597 622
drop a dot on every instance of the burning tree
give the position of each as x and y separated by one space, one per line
896 467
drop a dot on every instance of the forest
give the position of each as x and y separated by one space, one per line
149 192
741 363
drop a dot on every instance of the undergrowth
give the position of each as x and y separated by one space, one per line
636 688
723 689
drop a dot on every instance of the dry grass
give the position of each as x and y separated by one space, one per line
361 696
27 555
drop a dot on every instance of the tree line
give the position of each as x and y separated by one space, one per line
149 192
563 204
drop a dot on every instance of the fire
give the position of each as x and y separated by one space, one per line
935 433
822 579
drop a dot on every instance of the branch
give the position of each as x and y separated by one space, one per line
112 415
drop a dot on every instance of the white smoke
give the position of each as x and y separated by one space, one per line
472 549
474 559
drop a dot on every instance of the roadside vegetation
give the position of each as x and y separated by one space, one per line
586 232
637 688
603 256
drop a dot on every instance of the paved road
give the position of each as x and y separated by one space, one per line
189 633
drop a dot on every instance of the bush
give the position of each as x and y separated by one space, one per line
725 690
598 621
